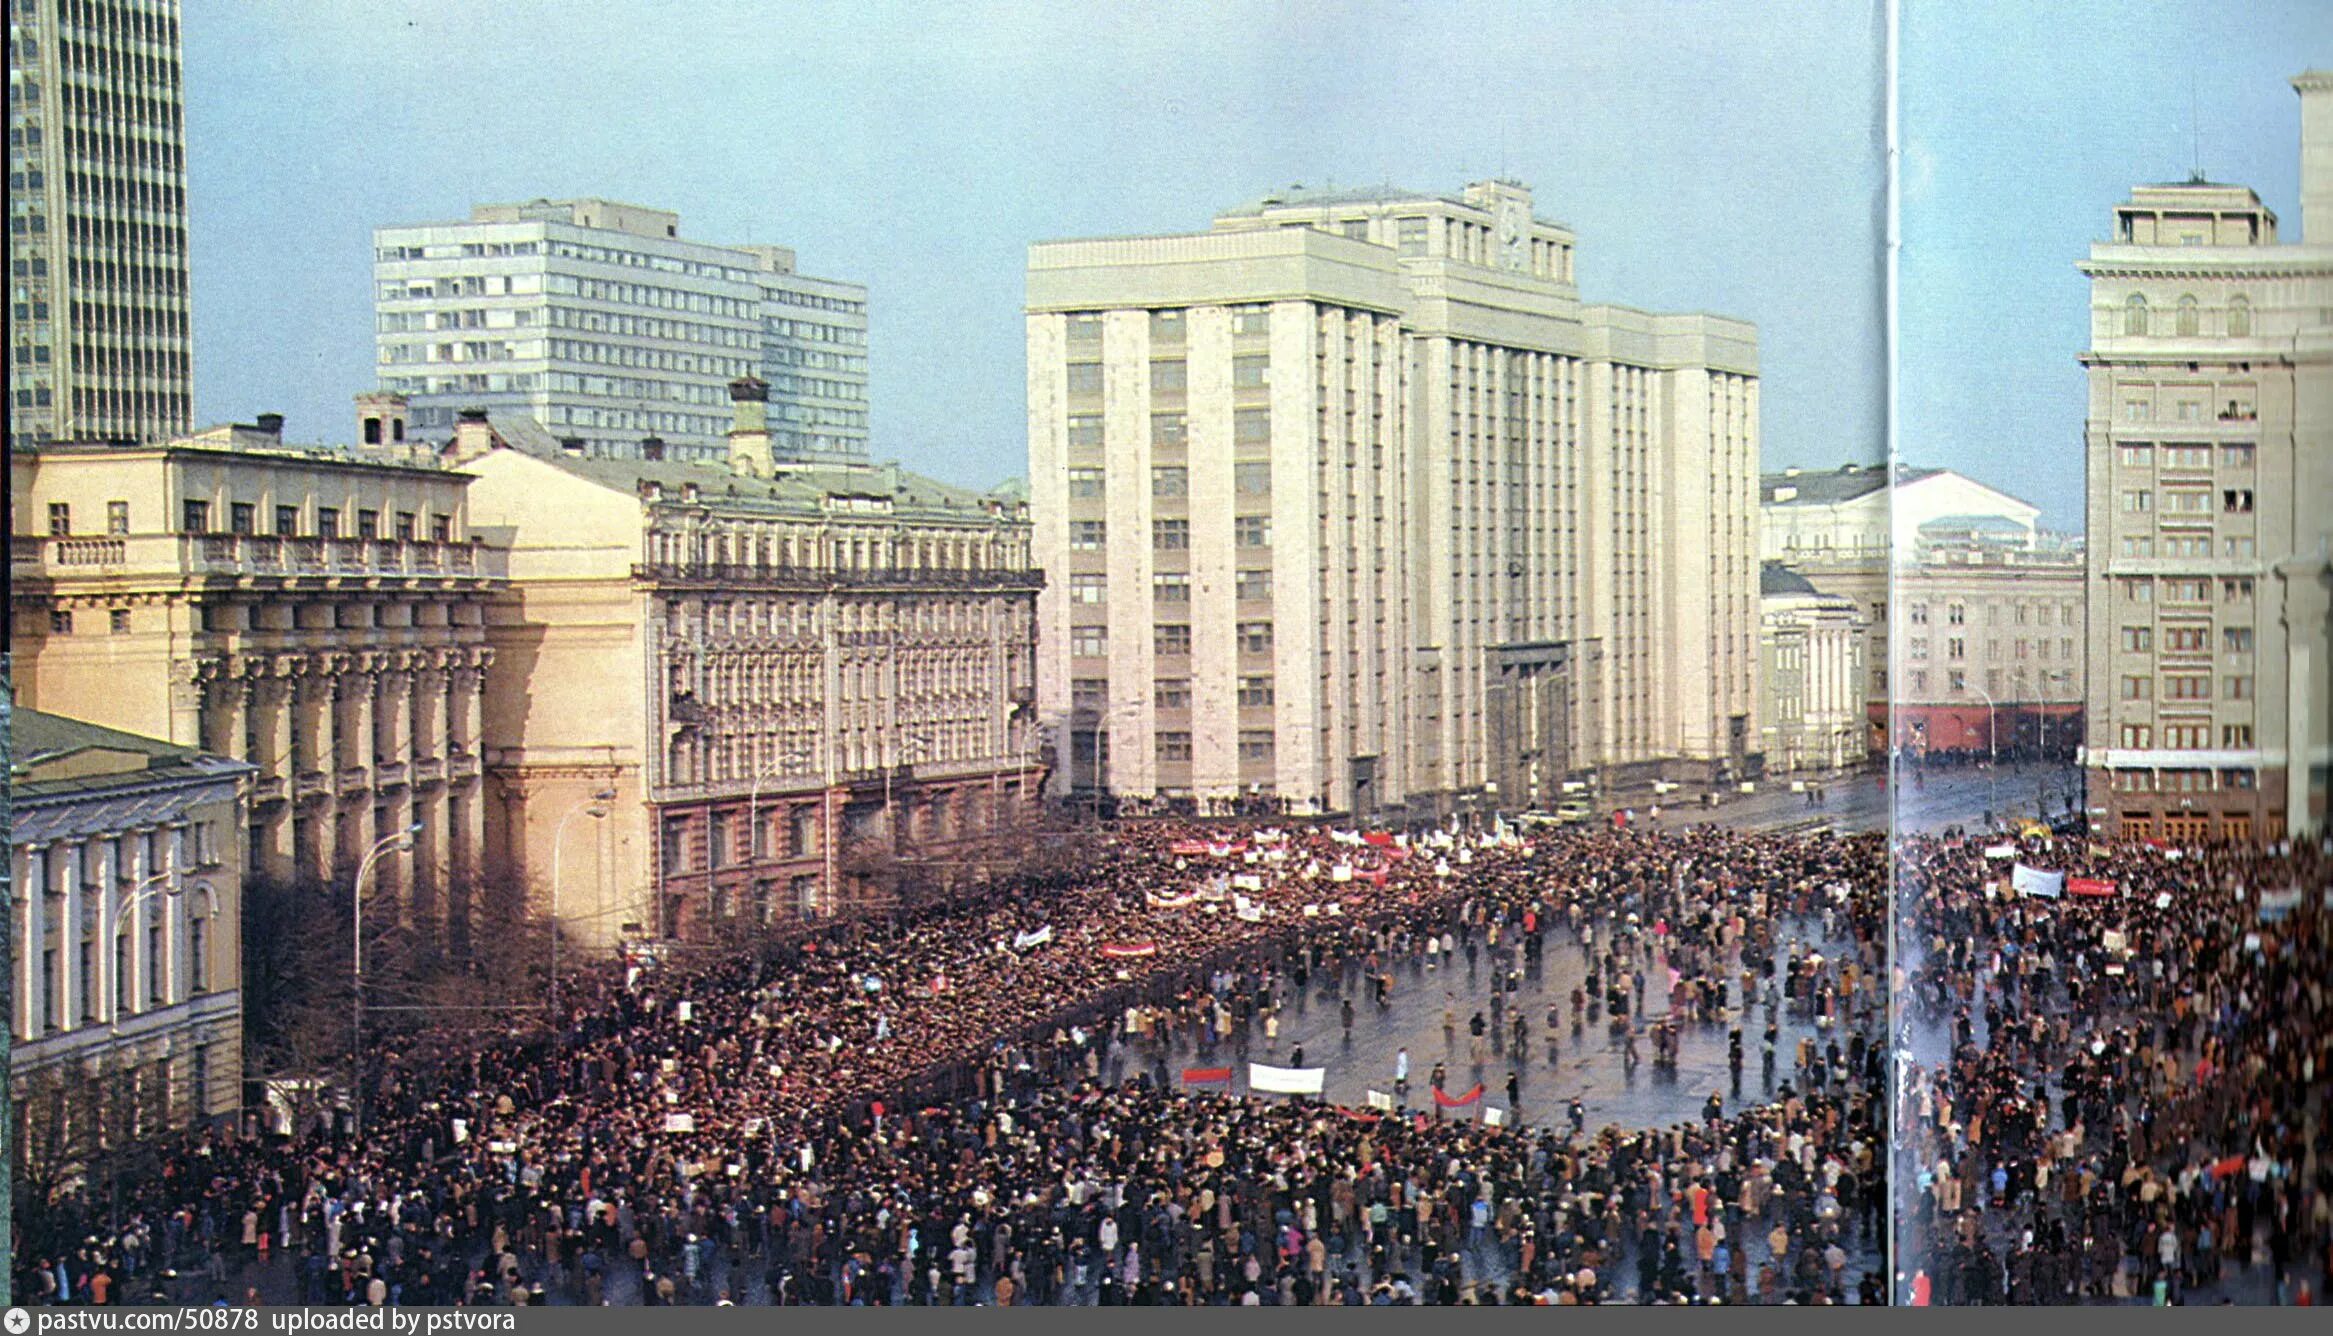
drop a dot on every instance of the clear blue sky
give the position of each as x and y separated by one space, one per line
2023 125
1716 157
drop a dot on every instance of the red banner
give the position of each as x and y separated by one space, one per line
1205 1075
1130 950
1450 1101
1382 839
2092 886
2229 1167
1188 848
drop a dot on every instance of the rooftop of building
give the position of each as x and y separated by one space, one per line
52 755
263 439
801 488
1775 578
1300 196
1829 487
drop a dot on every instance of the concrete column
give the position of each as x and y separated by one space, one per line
2305 605
273 702
69 981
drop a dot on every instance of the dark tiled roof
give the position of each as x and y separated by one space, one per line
1775 578
37 738
1829 487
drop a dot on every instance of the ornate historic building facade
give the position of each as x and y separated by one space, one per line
749 677
319 613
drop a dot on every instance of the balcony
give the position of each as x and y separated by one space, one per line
354 779
462 767
709 575
250 556
389 775
312 785
431 771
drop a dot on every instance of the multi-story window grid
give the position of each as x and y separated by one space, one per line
99 343
599 322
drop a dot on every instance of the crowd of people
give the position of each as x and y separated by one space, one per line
956 1107
2117 1074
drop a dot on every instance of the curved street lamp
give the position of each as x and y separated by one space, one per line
596 806
403 840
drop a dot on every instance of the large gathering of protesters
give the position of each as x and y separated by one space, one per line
2117 1072
973 1104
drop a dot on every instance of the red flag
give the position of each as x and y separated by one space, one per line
1381 839
1205 1075
1450 1101
1130 950
2091 886
1189 848
2228 1167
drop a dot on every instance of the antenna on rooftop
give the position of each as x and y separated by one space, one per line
2194 129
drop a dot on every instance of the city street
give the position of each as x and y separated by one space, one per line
1926 799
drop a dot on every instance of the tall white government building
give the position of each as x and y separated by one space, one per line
600 322
2210 464
1351 504
100 345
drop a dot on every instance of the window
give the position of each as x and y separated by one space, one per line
801 831
1919 615
2236 687
2138 639
1251 426
2190 318
1956 615
1169 377
1255 746
60 520
1174 748
2186 639
1085 429
242 517
2138 735
441 529
327 522
1085 484
1955 648
1085 327
1089 693
2134 315
1170 535
119 621
61 623
1088 589
1166 326
1916 647
195 517
1252 530
2187 456
1252 479
1410 236
1171 693
1254 585
368 524
2138 456
1089 641
2179 687
1087 535
2236 501
1167 484
1255 637
117 517
2237 639
2236 591
1168 429
2137 501
1251 319
2138 590
2137 410
1170 587
1250 371
1957 681
2138 688
287 521
2236 736
1356 229
1255 691
2239 317
2236 456
1085 378
1171 639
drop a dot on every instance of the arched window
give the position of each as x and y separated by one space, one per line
2239 317
2134 315
2190 318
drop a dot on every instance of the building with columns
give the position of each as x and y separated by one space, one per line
317 612
126 882
1351 504
2209 444
773 670
1810 646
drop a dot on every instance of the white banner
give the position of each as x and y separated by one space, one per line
1249 909
2000 851
1248 881
1342 872
2037 881
1266 1080
1022 941
688 1012
680 1122
1379 1100
1493 1117
2277 904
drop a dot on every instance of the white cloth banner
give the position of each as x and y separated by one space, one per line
1250 910
2037 881
680 1122
1248 881
1022 941
1379 1100
1341 873
1493 1117
2277 904
1266 1080
2000 851
688 1012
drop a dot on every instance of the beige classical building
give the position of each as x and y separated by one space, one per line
126 894
1350 504
316 612
2210 462
1810 688
769 668
1990 645
100 347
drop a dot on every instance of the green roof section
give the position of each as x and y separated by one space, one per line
39 740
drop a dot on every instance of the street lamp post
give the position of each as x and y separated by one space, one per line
146 889
914 753
1101 733
1992 751
596 806
402 839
